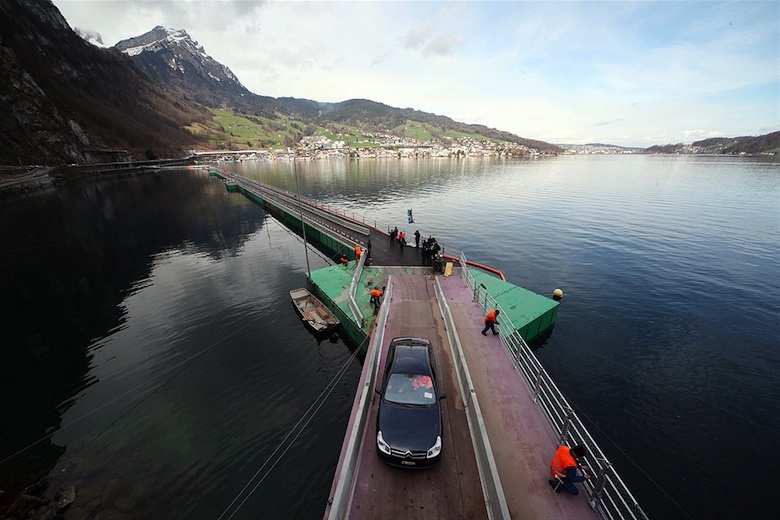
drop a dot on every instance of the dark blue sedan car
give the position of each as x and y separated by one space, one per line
408 423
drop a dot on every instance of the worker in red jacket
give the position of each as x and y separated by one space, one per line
563 468
491 320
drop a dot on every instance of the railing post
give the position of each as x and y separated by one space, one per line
601 480
538 385
566 425
513 341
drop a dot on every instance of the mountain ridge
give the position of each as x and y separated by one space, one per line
744 145
373 116
206 81
67 98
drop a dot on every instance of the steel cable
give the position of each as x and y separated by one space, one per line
318 402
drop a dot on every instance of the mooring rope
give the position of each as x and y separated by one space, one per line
318 402
656 484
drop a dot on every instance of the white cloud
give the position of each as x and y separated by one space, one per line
417 37
699 134
443 45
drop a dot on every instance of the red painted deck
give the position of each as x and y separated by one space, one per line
451 489
522 440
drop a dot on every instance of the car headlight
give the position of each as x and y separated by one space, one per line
381 444
435 449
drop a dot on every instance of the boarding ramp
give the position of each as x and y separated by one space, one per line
365 487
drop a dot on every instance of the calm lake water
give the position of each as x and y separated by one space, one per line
151 356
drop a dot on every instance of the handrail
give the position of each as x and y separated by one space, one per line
607 493
358 224
475 264
354 436
278 194
353 306
283 199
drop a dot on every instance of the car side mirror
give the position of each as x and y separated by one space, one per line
377 390
443 396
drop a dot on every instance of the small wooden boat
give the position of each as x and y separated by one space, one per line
313 311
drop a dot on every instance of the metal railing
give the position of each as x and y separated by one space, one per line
353 306
289 202
607 493
344 217
339 503
286 200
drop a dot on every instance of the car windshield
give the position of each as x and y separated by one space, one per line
410 389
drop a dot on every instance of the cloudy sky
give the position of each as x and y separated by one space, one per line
619 72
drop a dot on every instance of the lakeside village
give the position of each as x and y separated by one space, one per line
380 145
388 146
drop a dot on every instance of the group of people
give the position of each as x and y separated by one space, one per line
430 248
400 237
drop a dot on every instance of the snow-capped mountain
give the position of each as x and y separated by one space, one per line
172 58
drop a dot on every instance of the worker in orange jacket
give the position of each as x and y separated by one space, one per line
491 320
358 252
563 468
376 293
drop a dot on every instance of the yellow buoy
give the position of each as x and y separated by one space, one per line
557 295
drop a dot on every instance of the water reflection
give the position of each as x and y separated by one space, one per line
71 261
167 298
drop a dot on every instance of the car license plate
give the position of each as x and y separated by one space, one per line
408 462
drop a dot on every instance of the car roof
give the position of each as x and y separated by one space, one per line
411 359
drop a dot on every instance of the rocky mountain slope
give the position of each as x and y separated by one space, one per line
173 59
64 99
